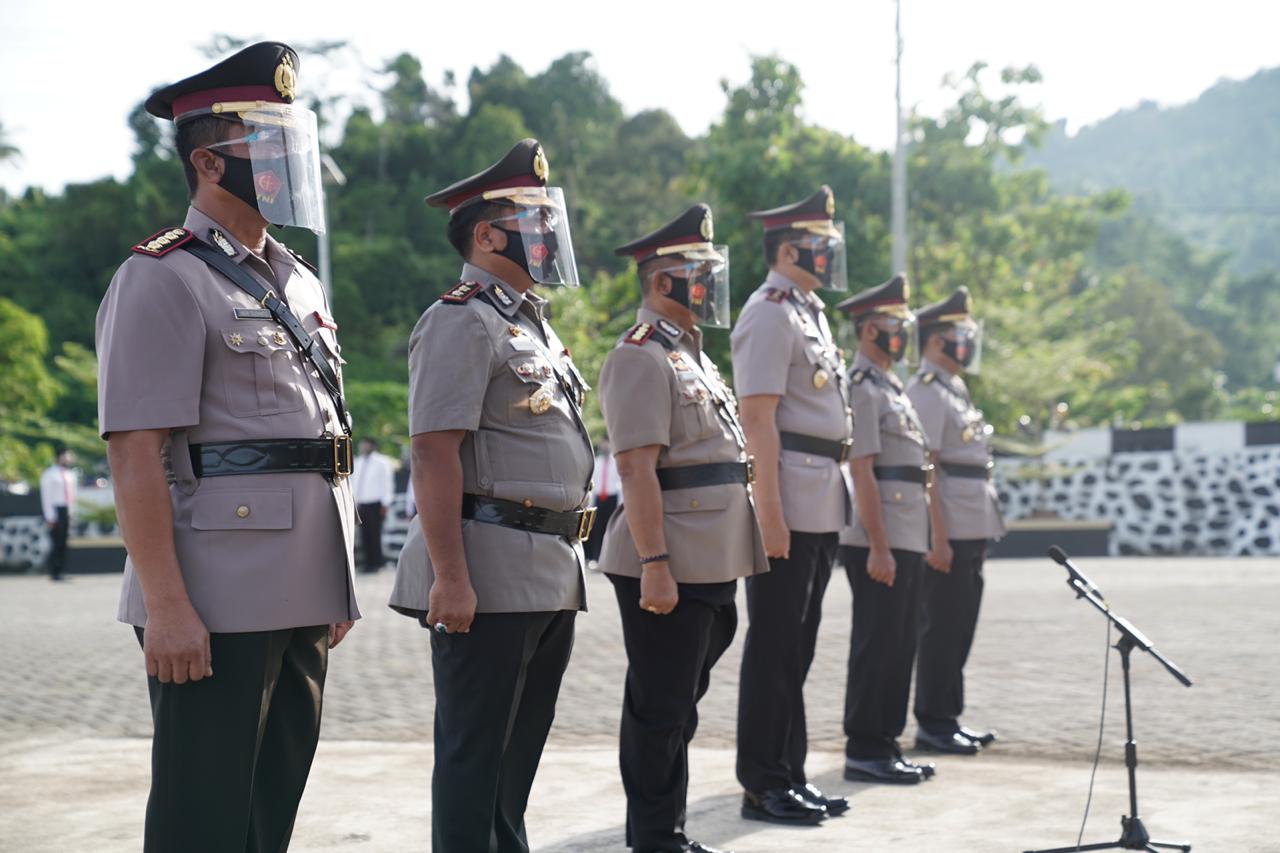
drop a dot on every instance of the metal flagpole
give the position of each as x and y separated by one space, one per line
899 222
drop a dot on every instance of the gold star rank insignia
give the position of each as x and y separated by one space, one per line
237 339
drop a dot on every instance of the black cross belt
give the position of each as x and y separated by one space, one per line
904 473
331 456
710 474
973 472
574 525
837 450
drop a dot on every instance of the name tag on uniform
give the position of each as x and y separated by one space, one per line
253 314
523 343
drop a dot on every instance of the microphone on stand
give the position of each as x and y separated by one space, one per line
1060 557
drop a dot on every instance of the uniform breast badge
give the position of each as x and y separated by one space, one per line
540 401
820 378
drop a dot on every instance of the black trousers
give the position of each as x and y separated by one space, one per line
949 604
784 607
881 652
58 539
669 662
604 509
231 753
496 690
371 536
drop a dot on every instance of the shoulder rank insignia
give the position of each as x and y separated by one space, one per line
639 333
460 292
163 242
857 376
773 294
928 377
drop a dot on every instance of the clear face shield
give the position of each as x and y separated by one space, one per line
281 144
895 334
822 253
541 221
700 281
962 343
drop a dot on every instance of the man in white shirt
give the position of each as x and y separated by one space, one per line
606 498
57 500
373 482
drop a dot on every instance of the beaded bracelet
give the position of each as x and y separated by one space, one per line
656 558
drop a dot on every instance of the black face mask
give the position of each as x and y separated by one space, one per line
818 264
262 189
953 351
703 285
544 251
893 344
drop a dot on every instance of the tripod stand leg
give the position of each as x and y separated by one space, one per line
1110 845
1170 845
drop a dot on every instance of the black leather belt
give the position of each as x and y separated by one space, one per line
905 473
973 472
710 474
331 456
837 450
573 525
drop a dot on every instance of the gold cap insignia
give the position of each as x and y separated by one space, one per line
831 204
287 79
540 167
708 230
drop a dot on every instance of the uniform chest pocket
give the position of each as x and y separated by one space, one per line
259 371
696 410
536 397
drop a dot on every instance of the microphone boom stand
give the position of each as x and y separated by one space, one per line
1133 835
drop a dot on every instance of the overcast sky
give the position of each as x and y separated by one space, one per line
70 71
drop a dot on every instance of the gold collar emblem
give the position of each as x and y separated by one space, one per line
286 79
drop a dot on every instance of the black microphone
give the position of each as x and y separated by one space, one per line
1060 557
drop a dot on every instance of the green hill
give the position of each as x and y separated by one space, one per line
1208 168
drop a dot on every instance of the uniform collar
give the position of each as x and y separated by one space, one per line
927 366
203 225
863 363
778 281
691 338
509 306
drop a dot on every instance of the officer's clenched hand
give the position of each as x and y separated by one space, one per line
658 591
776 535
881 566
939 556
452 602
176 644
337 631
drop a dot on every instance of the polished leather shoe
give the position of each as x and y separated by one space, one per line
980 738
952 744
781 806
928 768
835 806
699 847
885 771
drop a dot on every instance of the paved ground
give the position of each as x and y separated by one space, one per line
73 703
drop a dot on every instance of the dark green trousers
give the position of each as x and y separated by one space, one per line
231 753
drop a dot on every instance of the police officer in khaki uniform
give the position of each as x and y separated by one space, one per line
883 550
795 410
964 512
219 393
686 529
502 468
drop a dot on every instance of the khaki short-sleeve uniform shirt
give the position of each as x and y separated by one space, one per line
957 432
180 347
491 365
665 391
782 346
886 426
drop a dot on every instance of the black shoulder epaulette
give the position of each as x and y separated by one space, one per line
776 295
460 292
857 376
306 263
163 242
639 333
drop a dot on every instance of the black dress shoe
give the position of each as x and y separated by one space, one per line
885 771
928 768
952 744
699 847
835 806
980 738
781 806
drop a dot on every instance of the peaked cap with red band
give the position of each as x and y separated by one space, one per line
888 298
267 71
816 208
950 310
691 230
523 166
